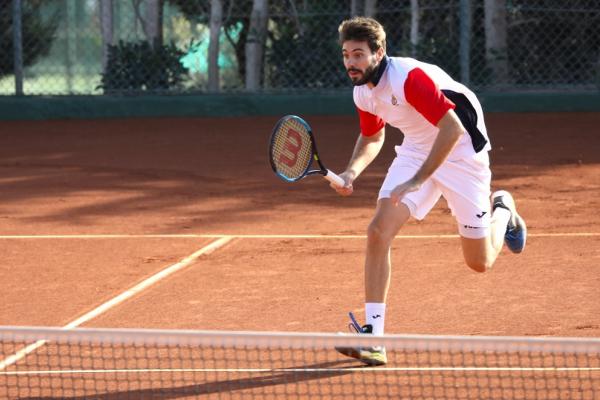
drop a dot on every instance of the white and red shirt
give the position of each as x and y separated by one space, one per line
413 96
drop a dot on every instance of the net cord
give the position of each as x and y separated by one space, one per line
301 340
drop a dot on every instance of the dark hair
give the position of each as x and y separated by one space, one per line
363 29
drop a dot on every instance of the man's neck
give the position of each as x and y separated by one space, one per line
379 73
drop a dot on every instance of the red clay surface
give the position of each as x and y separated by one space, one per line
50 282
211 176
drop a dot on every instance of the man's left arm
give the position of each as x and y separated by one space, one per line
450 131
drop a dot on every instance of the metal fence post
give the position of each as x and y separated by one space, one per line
18 46
465 16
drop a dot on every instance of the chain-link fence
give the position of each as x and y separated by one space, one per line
56 47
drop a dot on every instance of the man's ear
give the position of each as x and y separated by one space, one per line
380 53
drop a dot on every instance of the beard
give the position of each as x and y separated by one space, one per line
367 74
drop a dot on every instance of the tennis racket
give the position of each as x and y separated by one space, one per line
292 150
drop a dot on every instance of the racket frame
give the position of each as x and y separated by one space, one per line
322 170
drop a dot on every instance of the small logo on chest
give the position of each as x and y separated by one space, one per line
394 100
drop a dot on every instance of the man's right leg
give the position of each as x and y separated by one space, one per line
383 228
386 223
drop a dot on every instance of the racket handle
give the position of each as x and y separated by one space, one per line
335 179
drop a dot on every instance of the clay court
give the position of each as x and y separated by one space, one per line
93 208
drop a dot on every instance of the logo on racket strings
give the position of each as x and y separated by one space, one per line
293 144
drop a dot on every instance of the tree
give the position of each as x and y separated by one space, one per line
303 51
549 46
37 33
106 28
216 20
370 8
255 44
414 26
426 30
495 39
139 66
358 6
235 23
152 22
355 8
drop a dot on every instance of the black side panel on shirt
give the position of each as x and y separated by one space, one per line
468 117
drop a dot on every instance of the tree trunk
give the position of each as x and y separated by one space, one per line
414 27
465 27
255 43
106 26
153 22
70 41
354 8
370 8
17 27
216 20
495 40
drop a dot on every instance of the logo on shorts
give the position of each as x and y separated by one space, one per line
394 100
470 227
376 316
481 215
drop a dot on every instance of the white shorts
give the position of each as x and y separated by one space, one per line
464 183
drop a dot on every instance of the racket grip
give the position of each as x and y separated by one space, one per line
335 179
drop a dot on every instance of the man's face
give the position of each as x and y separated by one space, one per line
359 61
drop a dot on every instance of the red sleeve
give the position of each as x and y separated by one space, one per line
369 124
425 96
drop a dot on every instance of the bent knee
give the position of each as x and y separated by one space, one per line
378 234
479 264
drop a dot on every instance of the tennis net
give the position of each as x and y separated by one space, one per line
52 363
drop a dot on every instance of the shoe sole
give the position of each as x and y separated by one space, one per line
521 223
356 354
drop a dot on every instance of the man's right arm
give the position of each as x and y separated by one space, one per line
365 151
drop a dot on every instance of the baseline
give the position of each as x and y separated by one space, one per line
266 236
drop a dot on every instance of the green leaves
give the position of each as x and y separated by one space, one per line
140 67
38 34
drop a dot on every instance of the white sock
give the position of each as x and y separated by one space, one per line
375 313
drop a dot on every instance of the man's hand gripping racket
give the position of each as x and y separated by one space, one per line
292 150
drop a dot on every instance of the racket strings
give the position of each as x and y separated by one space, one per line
291 149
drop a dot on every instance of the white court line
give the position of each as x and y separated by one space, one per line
306 370
284 236
122 297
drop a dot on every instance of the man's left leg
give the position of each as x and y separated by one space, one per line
506 225
481 253
485 220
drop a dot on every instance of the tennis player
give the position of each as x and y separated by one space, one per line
444 153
